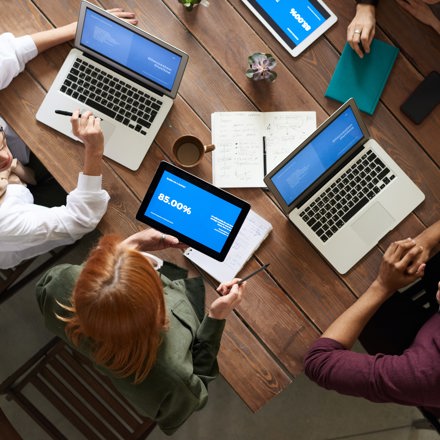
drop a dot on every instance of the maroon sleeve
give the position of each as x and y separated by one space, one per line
409 379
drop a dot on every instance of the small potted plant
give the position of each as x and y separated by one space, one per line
261 67
189 4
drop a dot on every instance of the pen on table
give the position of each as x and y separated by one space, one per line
253 273
64 113
264 156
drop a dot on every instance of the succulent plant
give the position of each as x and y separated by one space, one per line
260 67
189 4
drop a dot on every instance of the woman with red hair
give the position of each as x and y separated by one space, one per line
141 320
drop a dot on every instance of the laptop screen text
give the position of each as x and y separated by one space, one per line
130 50
322 152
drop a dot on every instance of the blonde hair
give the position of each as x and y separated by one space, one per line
118 303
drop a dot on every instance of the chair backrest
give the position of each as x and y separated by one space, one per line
86 398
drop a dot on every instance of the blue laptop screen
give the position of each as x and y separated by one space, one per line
293 20
192 211
318 156
133 51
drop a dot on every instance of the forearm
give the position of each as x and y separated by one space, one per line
47 39
205 348
433 234
92 164
348 326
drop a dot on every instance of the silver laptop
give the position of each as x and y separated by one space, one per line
124 75
342 190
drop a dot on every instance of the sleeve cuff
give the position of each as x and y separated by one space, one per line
327 343
211 329
89 183
25 48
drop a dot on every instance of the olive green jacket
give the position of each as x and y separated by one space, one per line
186 361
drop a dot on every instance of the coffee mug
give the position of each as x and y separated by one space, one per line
188 150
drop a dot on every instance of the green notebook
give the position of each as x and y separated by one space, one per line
362 78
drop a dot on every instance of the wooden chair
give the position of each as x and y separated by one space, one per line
12 280
86 398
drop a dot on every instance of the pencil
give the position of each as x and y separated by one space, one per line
253 273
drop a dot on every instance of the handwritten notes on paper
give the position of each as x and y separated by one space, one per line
250 144
254 230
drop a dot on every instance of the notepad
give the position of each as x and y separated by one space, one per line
362 78
253 232
249 144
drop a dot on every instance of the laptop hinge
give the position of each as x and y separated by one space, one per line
120 72
324 179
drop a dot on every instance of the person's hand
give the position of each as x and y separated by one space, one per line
129 17
362 29
153 240
232 294
88 129
421 11
393 272
428 240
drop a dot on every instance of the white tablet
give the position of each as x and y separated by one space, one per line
296 24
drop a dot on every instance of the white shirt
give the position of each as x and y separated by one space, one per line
14 54
27 230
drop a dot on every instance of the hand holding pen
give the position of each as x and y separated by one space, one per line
232 294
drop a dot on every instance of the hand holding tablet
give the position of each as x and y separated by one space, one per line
296 24
196 212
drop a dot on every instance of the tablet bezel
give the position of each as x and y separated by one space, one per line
202 184
331 20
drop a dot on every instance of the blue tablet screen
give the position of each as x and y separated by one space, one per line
192 211
293 20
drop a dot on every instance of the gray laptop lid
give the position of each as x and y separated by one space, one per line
130 51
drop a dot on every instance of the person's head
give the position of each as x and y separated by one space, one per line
5 154
118 304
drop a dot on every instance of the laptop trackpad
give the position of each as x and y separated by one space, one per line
374 224
107 128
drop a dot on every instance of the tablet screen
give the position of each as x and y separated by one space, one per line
295 23
196 212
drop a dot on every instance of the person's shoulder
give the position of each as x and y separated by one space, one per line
58 280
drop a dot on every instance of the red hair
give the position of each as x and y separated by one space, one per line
118 303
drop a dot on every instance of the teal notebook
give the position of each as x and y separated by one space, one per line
362 78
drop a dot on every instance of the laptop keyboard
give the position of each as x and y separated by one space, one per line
111 96
366 178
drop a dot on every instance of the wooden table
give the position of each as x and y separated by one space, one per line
288 307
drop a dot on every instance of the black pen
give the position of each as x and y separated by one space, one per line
253 273
64 113
264 156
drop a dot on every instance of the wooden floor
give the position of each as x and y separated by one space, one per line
299 297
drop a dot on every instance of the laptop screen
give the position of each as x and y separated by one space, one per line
146 57
317 156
